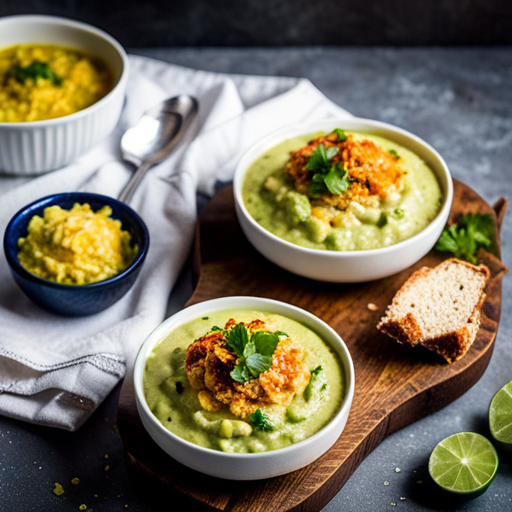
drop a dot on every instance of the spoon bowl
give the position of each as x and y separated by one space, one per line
156 134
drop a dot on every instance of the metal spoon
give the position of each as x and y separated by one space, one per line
155 135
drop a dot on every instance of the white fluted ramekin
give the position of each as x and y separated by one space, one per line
36 147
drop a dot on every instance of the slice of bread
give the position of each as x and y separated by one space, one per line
439 308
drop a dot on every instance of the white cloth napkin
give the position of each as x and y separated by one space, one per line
55 370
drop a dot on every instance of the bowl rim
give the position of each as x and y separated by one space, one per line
295 130
194 311
79 26
16 266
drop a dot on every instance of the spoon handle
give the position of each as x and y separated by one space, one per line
127 192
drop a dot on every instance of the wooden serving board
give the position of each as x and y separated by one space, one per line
395 384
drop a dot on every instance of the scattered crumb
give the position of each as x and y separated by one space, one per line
75 481
83 507
402 498
58 490
372 307
107 467
397 470
393 504
95 495
386 483
419 482
106 455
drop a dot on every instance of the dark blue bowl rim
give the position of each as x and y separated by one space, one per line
134 265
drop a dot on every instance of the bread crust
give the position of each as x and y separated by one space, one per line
406 329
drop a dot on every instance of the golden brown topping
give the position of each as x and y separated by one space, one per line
373 172
209 363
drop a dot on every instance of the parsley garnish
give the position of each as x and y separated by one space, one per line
340 133
34 70
254 352
469 234
383 220
394 154
326 177
259 422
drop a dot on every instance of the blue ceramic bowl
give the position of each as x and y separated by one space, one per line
78 300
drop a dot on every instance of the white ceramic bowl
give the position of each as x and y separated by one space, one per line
39 146
252 466
345 266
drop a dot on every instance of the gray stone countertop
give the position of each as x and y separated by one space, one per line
457 99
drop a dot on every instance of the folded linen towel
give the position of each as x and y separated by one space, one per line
55 371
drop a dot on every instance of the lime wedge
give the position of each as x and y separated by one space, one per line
500 416
465 464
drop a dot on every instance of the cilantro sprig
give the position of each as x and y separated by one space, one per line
327 176
469 234
255 351
260 422
34 70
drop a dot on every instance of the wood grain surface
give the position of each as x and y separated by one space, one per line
395 385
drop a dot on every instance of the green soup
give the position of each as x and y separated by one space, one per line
173 401
271 200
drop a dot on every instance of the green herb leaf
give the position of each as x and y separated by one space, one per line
258 363
240 373
316 370
394 153
260 422
318 189
281 333
383 220
469 234
336 180
237 338
319 160
398 213
340 133
265 342
34 70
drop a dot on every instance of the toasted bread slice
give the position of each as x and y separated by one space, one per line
439 308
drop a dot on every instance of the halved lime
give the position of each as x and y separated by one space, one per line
500 416
465 463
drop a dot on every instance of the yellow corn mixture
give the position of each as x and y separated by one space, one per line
71 81
76 246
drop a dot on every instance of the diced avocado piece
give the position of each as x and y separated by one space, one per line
293 416
298 207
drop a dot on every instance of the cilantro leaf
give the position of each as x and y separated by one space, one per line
336 180
342 136
383 220
394 154
35 70
237 338
316 370
258 363
254 351
318 189
240 373
265 342
260 422
469 234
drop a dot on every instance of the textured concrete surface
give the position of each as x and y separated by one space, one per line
285 22
460 101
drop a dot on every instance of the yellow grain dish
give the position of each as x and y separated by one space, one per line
39 82
76 246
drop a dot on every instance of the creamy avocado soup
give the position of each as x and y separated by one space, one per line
342 191
200 389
